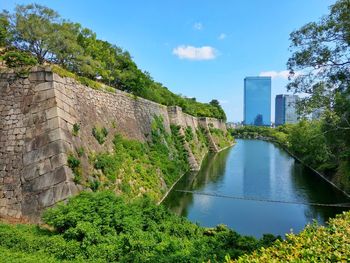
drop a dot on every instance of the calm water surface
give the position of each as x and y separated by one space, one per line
256 169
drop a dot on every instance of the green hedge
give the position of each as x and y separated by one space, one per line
314 244
101 227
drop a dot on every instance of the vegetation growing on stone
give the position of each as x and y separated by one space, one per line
80 151
135 168
76 128
198 142
40 31
75 164
100 134
189 134
101 227
222 139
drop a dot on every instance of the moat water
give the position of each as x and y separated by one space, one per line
259 170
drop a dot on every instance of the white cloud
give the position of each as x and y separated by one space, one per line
198 26
195 53
284 74
222 36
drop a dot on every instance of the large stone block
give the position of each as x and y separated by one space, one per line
30 206
43 86
37 142
51 113
58 160
37 76
46 151
48 180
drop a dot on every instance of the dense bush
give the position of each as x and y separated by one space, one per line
101 227
15 59
314 244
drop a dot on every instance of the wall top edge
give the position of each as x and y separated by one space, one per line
8 72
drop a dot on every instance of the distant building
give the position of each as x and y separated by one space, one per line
233 125
257 101
279 110
285 109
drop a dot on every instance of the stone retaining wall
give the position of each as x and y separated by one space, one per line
37 115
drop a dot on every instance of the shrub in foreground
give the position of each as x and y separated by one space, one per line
101 227
314 244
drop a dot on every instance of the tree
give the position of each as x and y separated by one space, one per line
34 29
320 67
4 29
214 103
321 59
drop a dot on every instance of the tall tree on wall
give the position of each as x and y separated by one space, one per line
34 29
320 64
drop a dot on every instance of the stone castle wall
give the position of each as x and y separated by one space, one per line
37 115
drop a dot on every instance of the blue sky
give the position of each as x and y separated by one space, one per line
198 48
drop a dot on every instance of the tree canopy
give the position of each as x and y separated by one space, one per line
41 32
320 64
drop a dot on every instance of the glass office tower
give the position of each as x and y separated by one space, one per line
285 109
257 101
279 110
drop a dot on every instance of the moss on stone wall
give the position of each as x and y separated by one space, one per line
134 168
198 142
221 138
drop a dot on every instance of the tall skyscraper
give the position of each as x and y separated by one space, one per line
279 110
257 101
285 109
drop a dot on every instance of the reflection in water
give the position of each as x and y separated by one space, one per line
256 178
254 169
212 171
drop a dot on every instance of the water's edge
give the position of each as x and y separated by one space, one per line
200 166
306 165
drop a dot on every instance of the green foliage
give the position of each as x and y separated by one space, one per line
76 128
198 142
101 227
80 151
201 135
5 35
18 59
321 51
136 167
35 29
314 244
94 185
221 138
305 140
182 154
100 134
40 31
75 164
321 58
189 134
